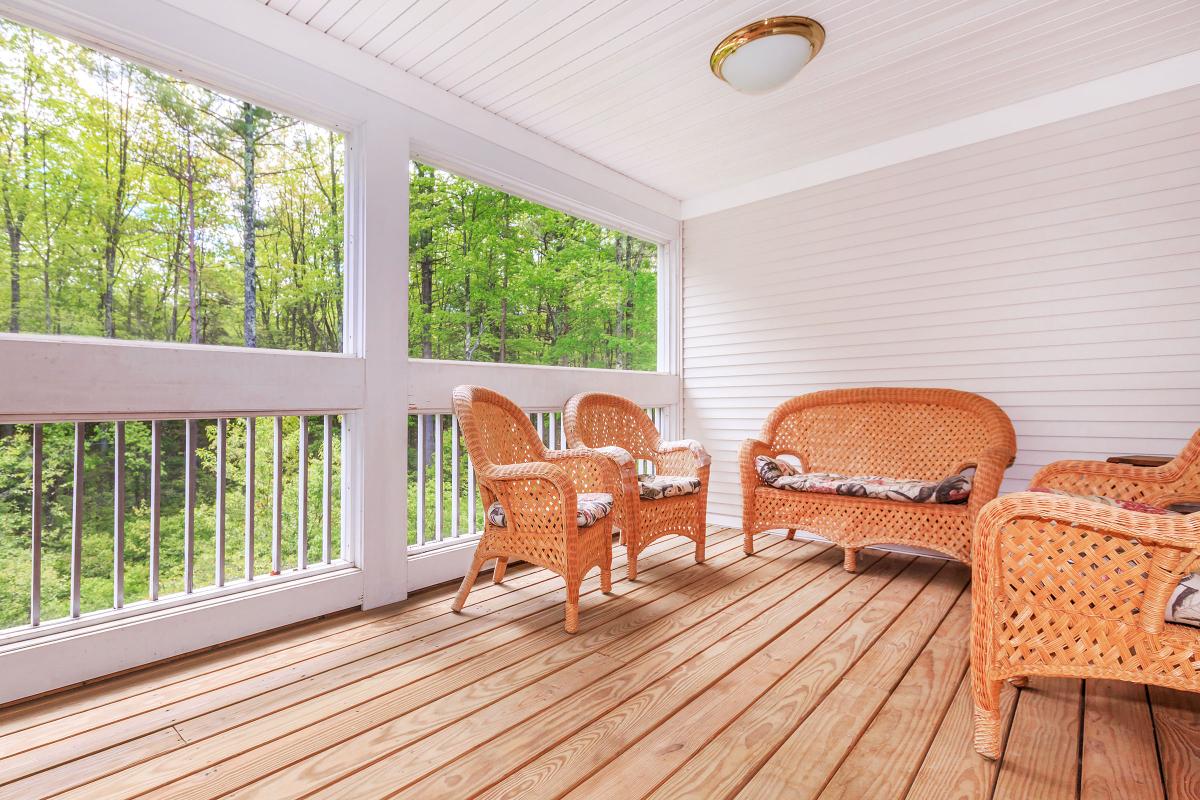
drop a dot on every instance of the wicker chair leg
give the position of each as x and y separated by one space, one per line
631 558
986 694
850 559
498 572
572 620
791 534
606 573
468 582
748 544
700 549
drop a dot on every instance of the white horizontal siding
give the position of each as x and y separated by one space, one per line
1055 271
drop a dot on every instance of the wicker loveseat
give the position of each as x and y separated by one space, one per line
1067 586
904 433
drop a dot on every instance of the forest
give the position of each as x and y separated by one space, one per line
140 206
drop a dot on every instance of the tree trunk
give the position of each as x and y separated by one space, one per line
14 256
250 284
193 274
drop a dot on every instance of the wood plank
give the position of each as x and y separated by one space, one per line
357 659
814 753
692 694
883 761
345 709
952 770
1120 760
676 740
1041 758
725 764
1177 723
793 595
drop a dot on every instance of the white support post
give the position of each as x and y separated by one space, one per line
155 506
248 541
438 484
277 498
302 495
189 506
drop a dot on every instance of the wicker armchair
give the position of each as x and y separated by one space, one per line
537 491
925 434
1067 587
621 430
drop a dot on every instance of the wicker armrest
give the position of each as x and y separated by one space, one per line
594 470
522 488
989 472
1041 541
682 457
1156 485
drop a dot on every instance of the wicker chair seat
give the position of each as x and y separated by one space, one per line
590 508
930 436
660 487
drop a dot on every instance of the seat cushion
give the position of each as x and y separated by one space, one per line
781 475
656 487
1128 505
591 507
1183 607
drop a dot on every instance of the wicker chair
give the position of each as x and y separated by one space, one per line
618 428
537 491
925 434
1067 587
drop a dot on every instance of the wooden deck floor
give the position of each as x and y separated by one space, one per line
776 676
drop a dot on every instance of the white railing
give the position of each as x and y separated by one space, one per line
151 472
444 501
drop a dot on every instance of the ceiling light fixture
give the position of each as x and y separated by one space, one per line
766 54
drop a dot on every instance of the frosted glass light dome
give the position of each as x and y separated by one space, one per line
767 54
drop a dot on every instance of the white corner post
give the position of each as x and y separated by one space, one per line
376 470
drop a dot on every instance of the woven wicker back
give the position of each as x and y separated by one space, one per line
495 429
897 432
594 419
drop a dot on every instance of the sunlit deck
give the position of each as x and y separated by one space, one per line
777 675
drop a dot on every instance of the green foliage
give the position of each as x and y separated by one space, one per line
493 277
117 178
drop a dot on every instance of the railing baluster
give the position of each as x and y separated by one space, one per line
119 515
277 500
302 493
342 515
453 478
155 506
189 505
327 491
471 494
219 531
35 537
77 522
553 433
438 484
541 435
248 557
420 479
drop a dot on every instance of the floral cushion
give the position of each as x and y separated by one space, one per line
1184 606
591 508
656 487
1128 505
781 475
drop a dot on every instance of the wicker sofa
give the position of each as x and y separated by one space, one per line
923 434
1067 586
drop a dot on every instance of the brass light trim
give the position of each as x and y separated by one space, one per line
772 26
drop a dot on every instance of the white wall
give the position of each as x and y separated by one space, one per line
1055 271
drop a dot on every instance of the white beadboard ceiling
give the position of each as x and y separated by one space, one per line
626 82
